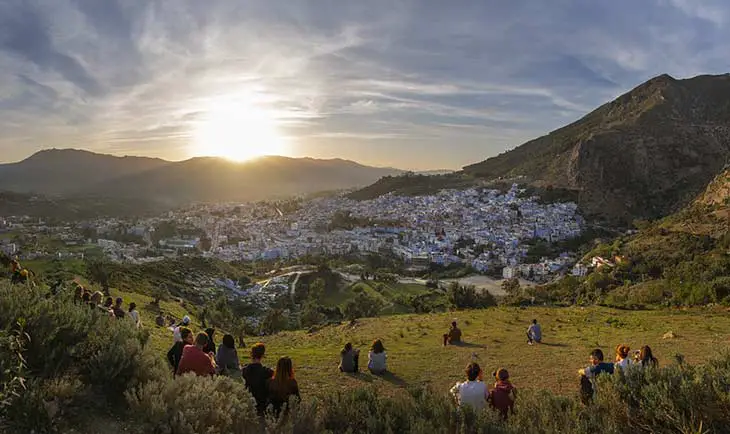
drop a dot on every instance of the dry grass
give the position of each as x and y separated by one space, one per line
497 336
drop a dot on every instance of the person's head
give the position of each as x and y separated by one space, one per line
132 306
473 370
201 340
622 351
86 297
534 321
453 324
96 297
108 302
596 356
187 335
78 291
646 355
501 375
186 320
258 351
210 332
119 302
284 370
347 348
377 347
229 342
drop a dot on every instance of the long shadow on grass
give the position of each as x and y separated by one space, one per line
393 379
554 345
468 345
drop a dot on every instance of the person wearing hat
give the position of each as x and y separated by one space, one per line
502 397
176 330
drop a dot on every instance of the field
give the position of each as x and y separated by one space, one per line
390 295
497 336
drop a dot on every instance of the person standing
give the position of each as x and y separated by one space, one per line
257 376
175 353
134 314
195 360
534 333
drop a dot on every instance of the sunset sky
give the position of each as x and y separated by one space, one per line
410 84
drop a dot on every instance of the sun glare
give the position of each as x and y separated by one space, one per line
238 128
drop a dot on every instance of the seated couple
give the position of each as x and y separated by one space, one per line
350 358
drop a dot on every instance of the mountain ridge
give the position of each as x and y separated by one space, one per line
72 172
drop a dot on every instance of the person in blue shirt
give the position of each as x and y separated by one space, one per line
589 374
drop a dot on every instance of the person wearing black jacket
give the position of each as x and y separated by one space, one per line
175 353
210 348
257 378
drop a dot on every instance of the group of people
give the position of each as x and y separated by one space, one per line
197 354
624 361
110 306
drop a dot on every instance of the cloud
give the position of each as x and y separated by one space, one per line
408 83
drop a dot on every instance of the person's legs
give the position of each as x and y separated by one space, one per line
355 364
529 339
446 339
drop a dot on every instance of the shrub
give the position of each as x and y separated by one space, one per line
467 297
190 404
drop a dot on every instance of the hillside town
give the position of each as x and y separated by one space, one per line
487 230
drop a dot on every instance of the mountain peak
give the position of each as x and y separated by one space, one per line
643 155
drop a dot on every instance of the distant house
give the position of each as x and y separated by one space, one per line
510 272
599 262
579 270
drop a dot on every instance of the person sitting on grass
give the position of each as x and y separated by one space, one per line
589 374
257 376
195 360
534 333
502 397
453 336
175 353
646 358
349 359
210 348
623 361
377 358
227 358
118 308
472 392
283 385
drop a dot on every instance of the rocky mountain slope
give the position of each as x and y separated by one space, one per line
645 154
81 173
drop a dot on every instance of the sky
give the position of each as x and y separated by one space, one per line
412 84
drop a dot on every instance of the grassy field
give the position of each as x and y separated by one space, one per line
497 336
389 295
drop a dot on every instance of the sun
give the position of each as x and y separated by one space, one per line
238 127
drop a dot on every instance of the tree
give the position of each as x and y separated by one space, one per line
316 290
311 315
159 293
467 297
511 287
99 273
363 306
274 321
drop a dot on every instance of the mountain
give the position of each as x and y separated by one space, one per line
68 171
643 155
81 173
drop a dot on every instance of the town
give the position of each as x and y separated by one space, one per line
487 230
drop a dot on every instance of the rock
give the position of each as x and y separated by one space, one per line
669 335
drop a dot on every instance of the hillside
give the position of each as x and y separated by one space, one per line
73 208
645 154
682 258
71 172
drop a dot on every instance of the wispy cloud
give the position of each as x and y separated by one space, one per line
407 83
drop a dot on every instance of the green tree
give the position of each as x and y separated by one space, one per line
159 293
363 306
274 321
99 272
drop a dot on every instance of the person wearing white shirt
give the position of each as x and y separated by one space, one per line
377 358
474 391
134 314
623 361
176 337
